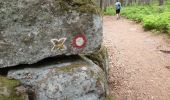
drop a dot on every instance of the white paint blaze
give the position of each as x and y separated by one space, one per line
79 41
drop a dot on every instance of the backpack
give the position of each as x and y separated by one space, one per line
118 6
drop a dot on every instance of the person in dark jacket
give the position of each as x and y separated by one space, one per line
118 8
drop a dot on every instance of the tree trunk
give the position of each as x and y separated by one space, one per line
161 2
101 4
147 2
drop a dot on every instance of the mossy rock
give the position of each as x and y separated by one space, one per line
32 35
110 97
70 68
100 58
8 91
83 6
71 78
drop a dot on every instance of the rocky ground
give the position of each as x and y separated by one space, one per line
139 61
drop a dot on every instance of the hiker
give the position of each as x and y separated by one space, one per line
118 7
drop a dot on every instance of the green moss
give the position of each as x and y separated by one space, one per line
9 83
7 89
70 68
101 78
109 97
99 57
84 1
83 6
89 9
60 7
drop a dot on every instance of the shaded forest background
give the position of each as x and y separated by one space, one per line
105 3
152 14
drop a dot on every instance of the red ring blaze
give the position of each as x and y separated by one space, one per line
79 36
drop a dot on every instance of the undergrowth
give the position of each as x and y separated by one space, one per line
152 17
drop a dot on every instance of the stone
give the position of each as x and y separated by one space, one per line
8 90
76 78
32 30
101 58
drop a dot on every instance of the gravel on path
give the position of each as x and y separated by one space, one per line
139 61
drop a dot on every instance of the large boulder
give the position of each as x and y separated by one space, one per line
76 78
31 30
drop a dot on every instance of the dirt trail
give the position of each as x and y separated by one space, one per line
139 61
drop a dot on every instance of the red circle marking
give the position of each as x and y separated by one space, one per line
79 36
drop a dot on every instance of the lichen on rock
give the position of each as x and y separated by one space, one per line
27 28
101 58
83 6
8 90
69 68
71 79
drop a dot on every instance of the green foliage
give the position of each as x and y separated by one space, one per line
109 11
153 17
159 22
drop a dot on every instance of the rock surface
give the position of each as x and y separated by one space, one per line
8 90
31 30
78 78
101 58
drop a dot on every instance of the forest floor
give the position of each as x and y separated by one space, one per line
139 61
